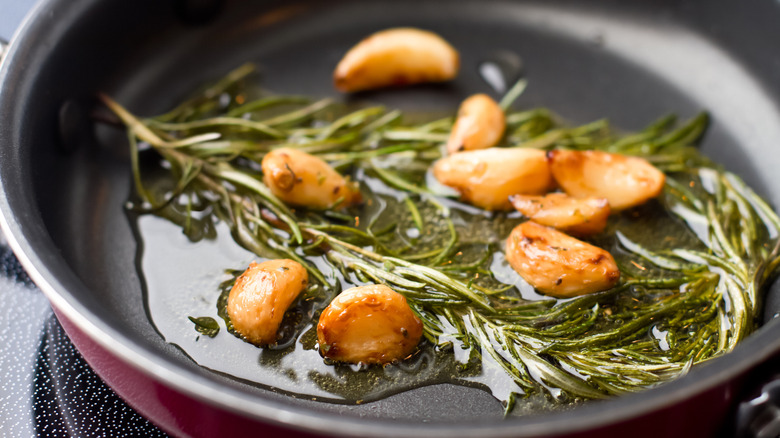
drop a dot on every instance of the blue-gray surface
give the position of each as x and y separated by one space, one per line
11 14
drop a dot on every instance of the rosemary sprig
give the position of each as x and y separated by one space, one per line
674 308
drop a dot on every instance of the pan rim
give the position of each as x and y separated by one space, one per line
27 247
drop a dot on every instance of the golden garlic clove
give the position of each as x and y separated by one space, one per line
487 178
396 57
557 264
261 295
370 324
624 181
301 179
480 124
579 216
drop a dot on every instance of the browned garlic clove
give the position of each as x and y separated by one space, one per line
261 295
396 57
480 124
579 216
487 178
370 324
624 181
557 264
301 179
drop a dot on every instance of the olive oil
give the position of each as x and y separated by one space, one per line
196 285
693 261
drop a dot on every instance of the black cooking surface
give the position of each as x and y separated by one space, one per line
69 399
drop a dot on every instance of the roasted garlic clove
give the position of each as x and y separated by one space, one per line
396 57
557 264
625 181
301 179
261 295
488 177
370 324
480 124
579 216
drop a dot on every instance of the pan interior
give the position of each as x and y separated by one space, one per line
585 61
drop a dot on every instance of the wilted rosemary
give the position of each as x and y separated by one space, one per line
688 293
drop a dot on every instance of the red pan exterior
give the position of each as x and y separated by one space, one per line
183 416
170 410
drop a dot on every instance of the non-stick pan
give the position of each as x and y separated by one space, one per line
64 180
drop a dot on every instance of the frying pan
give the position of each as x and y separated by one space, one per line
64 180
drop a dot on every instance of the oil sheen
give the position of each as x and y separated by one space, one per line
187 262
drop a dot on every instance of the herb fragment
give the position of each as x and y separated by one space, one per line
205 325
